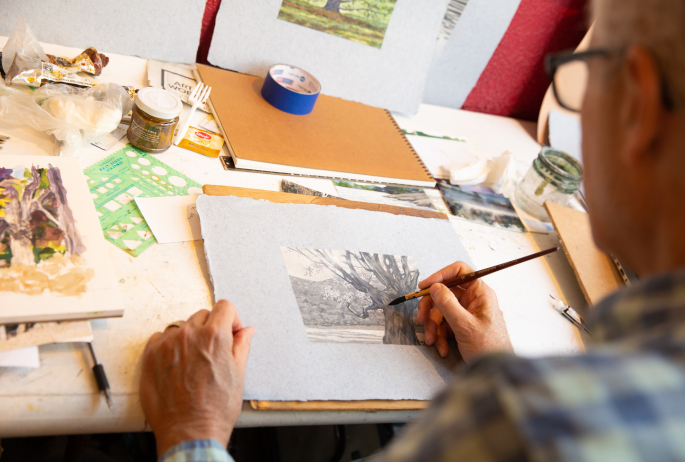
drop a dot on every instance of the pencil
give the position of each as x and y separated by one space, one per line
101 378
463 279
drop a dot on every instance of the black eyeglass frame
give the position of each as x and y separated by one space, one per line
554 61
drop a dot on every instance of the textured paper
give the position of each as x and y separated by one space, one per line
171 219
117 180
168 30
34 334
250 38
53 289
23 357
458 64
243 240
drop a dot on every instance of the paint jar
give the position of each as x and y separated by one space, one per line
554 176
154 119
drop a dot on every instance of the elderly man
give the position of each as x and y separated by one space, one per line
624 399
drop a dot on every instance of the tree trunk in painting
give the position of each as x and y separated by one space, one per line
20 232
65 219
397 280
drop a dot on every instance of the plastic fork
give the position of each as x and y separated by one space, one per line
198 96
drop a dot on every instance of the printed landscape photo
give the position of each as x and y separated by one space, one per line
475 205
361 21
415 198
343 295
40 244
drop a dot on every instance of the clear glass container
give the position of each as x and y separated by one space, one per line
151 134
554 176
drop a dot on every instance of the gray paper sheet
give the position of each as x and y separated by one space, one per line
249 38
458 64
243 240
565 134
168 30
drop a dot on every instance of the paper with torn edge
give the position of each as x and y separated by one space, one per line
391 77
171 219
13 336
243 243
23 357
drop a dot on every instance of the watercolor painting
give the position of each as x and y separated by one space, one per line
415 198
361 21
294 188
40 245
343 295
475 205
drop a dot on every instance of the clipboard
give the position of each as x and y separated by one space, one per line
288 198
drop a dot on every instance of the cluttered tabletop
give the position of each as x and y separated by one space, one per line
103 160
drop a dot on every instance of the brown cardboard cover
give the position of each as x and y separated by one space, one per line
338 135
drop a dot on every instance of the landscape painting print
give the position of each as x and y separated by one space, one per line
343 295
54 265
40 244
361 21
399 196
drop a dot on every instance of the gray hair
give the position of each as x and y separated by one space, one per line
658 25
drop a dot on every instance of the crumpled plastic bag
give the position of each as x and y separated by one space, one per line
21 40
95 111
19 108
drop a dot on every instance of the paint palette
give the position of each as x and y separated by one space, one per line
117 180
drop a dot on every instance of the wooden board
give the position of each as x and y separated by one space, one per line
287 198
367 406
596 272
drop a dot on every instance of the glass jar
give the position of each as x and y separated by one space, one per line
154 119
554 176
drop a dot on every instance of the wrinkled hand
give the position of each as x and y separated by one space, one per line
469 312
192 381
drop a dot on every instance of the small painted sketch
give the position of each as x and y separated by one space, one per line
343 295
294 188
490 209
361 21
399 196
40 244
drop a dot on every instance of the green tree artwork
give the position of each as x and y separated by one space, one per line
362 21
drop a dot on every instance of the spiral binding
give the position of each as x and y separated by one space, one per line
392 119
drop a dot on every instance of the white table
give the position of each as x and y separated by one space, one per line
170 282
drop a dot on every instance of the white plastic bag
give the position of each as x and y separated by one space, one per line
21 40
95 111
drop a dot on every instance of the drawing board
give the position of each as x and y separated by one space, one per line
244 241
53 261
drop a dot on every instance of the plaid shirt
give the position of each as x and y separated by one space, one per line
197 451
622 401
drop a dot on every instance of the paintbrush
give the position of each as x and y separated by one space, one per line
463 279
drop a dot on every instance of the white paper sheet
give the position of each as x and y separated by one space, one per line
565 134
436 152
243 241
457 66
171 219
22 357
157 29
250 38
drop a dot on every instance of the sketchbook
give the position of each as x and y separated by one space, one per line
339 139
54 263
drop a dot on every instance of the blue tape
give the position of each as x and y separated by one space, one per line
290 89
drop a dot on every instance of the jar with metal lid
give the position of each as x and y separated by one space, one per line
154 119
554 176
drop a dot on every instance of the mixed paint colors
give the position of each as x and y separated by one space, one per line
117 180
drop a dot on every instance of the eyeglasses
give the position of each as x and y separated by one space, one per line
569 75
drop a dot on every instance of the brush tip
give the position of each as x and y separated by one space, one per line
397 301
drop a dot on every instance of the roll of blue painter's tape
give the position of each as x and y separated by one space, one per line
290 89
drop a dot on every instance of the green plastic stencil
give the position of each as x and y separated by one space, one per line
117 180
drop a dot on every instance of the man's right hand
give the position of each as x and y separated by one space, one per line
469 312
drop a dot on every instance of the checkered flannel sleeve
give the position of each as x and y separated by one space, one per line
466 422
208 450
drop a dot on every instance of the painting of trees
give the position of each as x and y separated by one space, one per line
40 245
337 288
362 21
